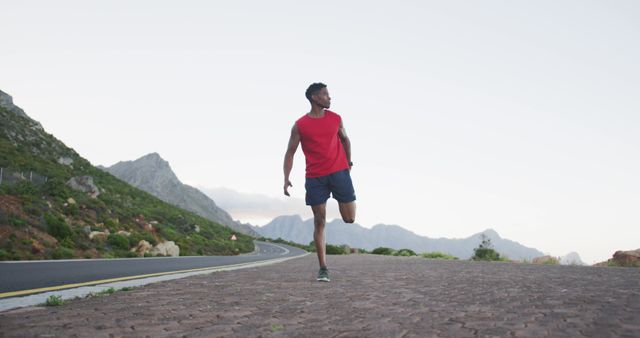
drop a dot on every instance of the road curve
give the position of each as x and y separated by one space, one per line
27 275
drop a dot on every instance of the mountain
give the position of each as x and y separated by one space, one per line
293 228
258 208
56 204
6 102
153 174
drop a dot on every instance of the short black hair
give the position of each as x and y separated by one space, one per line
314 88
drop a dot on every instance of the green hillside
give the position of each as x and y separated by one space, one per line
43 217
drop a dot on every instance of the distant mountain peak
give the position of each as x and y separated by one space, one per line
148 169
154 175
6 102
154 159
491 233
389 227
295 218
152 156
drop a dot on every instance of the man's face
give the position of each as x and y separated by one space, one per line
322 98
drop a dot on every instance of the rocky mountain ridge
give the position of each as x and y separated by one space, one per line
154 175
55 204
294 228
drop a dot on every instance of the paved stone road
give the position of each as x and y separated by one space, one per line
369 296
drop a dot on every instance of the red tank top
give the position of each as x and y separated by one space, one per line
321 144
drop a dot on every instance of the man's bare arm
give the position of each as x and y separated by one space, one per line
346 143
294 140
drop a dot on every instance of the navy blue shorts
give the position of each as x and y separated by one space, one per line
338 184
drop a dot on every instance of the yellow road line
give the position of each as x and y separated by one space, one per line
111 280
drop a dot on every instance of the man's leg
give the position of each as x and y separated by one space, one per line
319 219
348 211
343 192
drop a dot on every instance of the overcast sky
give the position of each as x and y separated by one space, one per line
521 116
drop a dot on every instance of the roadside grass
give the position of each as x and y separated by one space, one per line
56 300
104 292
276 327
110 291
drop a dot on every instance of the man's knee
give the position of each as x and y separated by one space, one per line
348 219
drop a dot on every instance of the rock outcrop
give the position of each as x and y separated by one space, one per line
142 248
84 184
166 248
65 161
627 258
99 234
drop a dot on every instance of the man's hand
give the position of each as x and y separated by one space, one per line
287 184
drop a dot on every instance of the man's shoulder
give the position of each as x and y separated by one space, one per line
301 118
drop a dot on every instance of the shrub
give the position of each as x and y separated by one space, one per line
118 242
124 254
485 252
17 222
71 210
4 218
108 291
405 252
56 187
25 188
111 224
335 250
68 243
62 253
3 255
135 238
547 260
383 251
168 233
54 300
437 255
56 226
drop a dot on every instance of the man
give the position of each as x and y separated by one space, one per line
327 152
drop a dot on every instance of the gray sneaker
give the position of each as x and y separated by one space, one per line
323 275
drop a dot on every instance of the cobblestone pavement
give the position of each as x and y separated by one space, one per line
369 296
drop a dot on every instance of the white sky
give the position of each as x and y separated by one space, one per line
521 116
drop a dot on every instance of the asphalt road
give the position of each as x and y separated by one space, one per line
26 275
368 296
